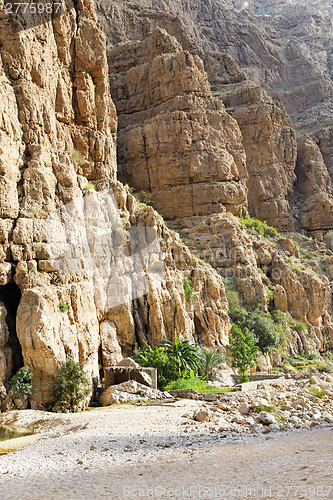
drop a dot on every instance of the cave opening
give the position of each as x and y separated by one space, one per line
10 296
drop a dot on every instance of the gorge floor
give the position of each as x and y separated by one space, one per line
151 452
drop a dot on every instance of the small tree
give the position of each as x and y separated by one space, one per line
70 388
188 289
209 359
186 356
20 383
158 358
243 350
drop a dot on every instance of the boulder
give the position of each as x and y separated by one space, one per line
266 418
129 391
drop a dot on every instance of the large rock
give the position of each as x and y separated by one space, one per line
129 391
314 184
270 145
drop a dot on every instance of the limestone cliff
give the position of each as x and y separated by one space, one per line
283 46
58 166
87 270
175 140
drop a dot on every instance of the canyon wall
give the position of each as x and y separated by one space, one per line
69 228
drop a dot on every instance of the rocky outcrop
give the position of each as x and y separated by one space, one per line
284 46
261 269
270 146
175 141
314 187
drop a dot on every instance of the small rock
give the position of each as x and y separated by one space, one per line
266 418
244 408
201 415
313 424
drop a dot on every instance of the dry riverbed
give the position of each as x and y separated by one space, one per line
159 451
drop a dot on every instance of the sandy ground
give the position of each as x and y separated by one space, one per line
151 452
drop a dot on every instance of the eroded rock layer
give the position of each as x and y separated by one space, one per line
175 140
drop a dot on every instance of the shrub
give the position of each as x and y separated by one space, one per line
63 306
300 326
20 383
196 384
263 329
70 388
258 227
233 300
188 289
317 392
90 185
186 356
158 358
243 350
282 322
210 358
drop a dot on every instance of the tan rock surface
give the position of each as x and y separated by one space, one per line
175 140
270 145
58 132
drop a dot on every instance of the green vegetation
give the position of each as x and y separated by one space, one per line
146 198
188 289
179 363
70 388
210 358
261 326
196 384
299 326
63 306
243 351
259 227
283 332
20 383
90 185
158 358
317 392
203 262
186 356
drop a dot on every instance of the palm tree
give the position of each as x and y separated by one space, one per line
210 358
186 356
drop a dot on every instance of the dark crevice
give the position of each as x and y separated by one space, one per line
10 296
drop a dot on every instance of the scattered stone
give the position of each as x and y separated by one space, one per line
266 418
201 415
129 391
245 408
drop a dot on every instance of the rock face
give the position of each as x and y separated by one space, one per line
59 197
284 46
176 142
261 269
88 272
270 146
314 184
